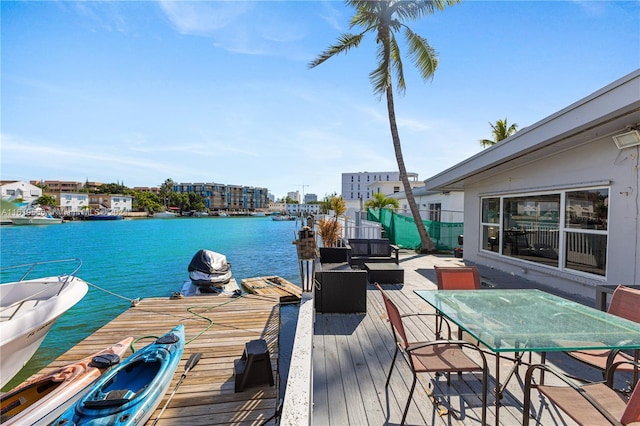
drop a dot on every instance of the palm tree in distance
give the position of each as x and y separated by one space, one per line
501 130
384 19
381 201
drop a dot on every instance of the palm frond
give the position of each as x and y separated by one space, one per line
396 62
422 8
381 76
423 56
366 15
345 42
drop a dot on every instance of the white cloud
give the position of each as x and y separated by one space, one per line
204 18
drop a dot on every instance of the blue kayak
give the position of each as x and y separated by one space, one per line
129 393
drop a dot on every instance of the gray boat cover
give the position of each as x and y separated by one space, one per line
209 268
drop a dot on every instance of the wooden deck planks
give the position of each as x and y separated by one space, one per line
273 286
352 356
216 325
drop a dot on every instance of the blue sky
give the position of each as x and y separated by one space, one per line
212 91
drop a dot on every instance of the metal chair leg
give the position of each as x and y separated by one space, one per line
406 408
393 362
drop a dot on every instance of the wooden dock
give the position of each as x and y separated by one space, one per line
275 286
218 326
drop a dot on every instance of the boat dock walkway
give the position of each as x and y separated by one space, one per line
218 326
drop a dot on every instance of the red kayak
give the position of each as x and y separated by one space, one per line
42 399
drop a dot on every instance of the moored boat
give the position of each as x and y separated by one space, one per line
129 393
209 269
164 215
35 216
231 288
105 217
282 217
36 220
42 399
28 310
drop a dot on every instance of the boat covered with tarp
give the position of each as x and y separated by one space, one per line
209 269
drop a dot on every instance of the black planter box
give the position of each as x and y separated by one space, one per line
334 254
340 289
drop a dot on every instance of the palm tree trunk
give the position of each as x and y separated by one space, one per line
426 245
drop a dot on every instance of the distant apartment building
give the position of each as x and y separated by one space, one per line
303 209
92 186
227 197
70 203
310 198
277 207
110 202
359 187
55 186
152 189
294 196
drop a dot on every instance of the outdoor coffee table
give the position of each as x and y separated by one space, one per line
520 321
384 273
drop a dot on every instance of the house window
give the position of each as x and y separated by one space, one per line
586 216
531 227
435 212
566 230
491 224
396 189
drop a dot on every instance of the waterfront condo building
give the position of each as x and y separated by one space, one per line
227 197
359 187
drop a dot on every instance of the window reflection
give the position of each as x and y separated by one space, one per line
491 236
586 252
491 210
587 209
531 228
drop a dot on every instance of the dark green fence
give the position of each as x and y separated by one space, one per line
402 231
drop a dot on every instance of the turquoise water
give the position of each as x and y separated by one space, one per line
141 258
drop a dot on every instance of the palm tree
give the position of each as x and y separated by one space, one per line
384 19
165 191
381 201
47 200
501 130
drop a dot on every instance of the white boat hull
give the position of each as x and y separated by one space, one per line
230 288
35 220
28 310
164 215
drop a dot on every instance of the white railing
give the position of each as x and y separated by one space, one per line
297 408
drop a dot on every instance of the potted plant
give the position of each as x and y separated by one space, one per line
329 231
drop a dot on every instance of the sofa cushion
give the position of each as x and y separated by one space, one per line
359 248
379 248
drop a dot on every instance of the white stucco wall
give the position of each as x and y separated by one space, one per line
571 149
20 190
596 164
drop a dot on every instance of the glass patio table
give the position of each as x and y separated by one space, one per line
520 321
